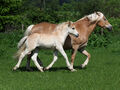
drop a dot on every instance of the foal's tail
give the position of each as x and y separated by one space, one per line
27 33
18 53
21 42
28 30
21 46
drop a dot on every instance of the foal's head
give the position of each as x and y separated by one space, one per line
100 19
71 29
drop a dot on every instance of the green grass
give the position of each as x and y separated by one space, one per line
102 72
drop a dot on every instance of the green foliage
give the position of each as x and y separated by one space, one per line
9 14
15 13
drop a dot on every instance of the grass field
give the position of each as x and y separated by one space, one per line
102 72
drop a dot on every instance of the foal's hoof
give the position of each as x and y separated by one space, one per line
82 66
46 68
15 68
73 70
41 70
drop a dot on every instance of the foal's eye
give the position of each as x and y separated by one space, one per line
105 19
73 28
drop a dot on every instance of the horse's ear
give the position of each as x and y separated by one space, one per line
69 23
89 17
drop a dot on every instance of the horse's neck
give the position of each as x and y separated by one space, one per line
88 26
91 28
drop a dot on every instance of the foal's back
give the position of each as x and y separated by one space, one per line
43 27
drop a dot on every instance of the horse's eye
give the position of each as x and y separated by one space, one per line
73 28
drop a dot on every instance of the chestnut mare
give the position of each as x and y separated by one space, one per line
54 40
84 26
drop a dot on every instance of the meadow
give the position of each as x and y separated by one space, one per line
102 72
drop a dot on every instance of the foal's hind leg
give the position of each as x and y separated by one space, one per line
55 57
88 58
34 58
20 59
28 61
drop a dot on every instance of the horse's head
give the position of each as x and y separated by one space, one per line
100 19
71 29
103 22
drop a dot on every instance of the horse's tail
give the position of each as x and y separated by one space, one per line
28 30
21 42
18 53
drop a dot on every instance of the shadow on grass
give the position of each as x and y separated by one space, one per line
34 69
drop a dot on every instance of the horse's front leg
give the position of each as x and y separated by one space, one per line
55 57
88 58
74 51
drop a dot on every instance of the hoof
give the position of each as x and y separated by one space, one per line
82 66
41 70
73 70
15 68
46 68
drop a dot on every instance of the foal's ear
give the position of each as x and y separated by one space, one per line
97 13
69 23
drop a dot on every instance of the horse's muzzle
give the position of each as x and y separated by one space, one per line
77 35
109 27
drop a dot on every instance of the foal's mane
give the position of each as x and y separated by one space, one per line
60 26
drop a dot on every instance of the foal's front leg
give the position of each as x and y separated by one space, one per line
88 58
61 50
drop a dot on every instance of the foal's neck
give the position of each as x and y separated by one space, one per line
63 34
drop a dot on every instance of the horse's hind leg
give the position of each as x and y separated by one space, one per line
34 58
20 59
88 58
55 57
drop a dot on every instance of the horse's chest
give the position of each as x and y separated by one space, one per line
81 41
